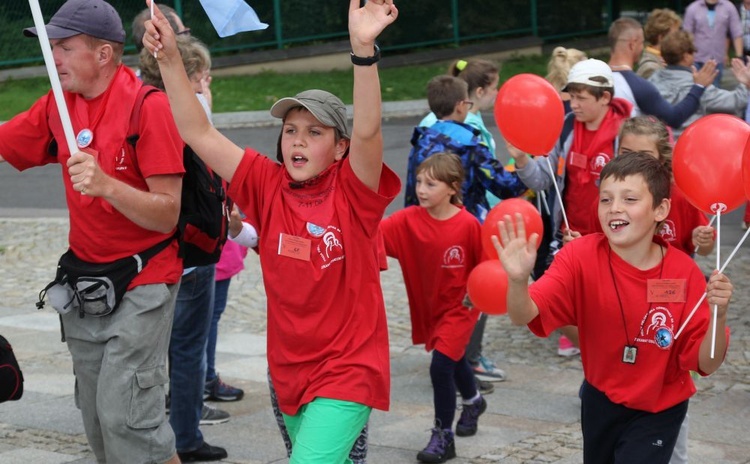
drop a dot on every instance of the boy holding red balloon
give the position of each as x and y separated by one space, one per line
438 243
628 291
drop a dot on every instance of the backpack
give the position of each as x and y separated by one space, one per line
483 172
204 213
11 378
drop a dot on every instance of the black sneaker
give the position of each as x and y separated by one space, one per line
205 453
217 390
440 448
469 421
484 387
213 416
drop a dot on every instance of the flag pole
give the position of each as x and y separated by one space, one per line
54 79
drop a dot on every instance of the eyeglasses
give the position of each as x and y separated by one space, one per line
468 103
185 31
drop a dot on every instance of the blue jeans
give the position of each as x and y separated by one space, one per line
221 290
187 348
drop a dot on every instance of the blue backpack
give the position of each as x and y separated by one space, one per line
483 172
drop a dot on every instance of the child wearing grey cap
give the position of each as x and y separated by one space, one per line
318 212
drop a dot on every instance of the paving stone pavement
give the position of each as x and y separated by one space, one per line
531 418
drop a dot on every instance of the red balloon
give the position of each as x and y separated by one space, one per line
529 113
488 287
531 218
746 170
707 162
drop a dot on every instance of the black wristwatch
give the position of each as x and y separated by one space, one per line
367 60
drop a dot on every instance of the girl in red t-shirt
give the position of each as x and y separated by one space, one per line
438 243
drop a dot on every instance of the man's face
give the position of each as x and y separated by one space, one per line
77 64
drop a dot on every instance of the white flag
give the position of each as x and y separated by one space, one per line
230 17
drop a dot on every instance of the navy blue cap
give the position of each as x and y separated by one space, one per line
95 18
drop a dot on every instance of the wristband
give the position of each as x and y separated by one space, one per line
366 60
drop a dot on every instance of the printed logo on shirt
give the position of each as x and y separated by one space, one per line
657 328
330 248
454 257
120 161
597 163
668 231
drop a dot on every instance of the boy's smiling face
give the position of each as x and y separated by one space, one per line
627 213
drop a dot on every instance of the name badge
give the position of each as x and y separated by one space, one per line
578 160
294 247
666 290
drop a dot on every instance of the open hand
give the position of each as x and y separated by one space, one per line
706 75
517 254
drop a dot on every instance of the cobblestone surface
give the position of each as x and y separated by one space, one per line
29 250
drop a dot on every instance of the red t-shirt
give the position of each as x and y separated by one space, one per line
579 196
682 219
98 232
578 290
436 258
327 329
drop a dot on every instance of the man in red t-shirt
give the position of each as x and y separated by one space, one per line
119 206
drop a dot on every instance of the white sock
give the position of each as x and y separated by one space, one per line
472 400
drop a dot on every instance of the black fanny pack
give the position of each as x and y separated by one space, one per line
95 289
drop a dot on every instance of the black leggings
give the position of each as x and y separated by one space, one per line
447 374
616 434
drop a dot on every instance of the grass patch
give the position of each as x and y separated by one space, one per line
259 92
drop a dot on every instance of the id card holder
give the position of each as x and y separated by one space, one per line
294 247
578 160
666 290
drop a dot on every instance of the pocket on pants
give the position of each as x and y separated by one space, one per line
147 400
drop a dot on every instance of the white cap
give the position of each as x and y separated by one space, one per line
583 71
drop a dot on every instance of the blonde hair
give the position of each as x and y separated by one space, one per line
559 65
195 57
447 168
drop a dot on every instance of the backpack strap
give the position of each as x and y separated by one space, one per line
135 119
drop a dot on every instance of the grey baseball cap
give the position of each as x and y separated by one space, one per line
325 106
96 18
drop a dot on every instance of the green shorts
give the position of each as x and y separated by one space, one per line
324 430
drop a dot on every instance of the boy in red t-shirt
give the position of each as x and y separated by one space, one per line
318 214
629 292
438 243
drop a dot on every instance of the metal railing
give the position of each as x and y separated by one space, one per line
422 23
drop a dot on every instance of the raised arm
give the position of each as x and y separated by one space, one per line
366 150
518 257
217 151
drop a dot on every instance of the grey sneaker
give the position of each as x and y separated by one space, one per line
213 416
